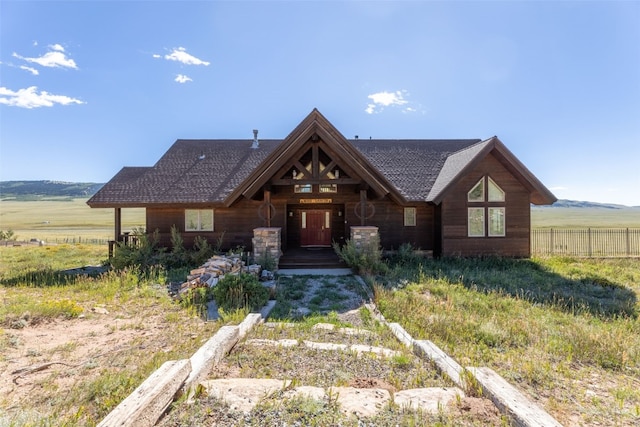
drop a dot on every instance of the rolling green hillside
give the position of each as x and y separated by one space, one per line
43 190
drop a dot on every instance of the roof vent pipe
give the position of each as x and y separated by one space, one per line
255 139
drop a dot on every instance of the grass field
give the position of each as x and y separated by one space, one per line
545 217
63 220
565 331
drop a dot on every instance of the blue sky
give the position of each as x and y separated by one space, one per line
87 87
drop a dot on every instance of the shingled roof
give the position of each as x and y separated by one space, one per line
191 171
205 172
411 166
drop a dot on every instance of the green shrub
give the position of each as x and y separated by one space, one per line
366 260
219 243
178 256
196 299
145 254
7 235
177 242
267 261
406 255
202 251
240 291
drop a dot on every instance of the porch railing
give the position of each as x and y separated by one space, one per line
126 238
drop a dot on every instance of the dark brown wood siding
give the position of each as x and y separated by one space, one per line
515 243
386 215
389 218
233 226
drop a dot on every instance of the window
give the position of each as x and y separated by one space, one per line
495 193
496 222
476 222
476 194
328 188
198 219
409 217
302 188
493 223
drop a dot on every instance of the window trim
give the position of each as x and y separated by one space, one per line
410 217
199 224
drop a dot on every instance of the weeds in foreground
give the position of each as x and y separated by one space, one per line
552 326
35 291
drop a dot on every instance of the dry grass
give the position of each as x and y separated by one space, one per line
565 331
97 337
326 368
67 219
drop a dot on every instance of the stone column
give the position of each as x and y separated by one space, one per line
365 236
267 244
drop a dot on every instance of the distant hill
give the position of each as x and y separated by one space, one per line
32 190
563 203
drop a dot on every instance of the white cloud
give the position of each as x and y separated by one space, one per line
30 98
388 98
155 55
181 78
381 100
180 54
30 69
56 57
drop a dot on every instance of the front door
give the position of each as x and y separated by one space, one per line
315 228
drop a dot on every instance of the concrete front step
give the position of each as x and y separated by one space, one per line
359 349
243 394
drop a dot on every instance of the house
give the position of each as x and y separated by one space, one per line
459 197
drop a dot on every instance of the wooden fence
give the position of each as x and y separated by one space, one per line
589 242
